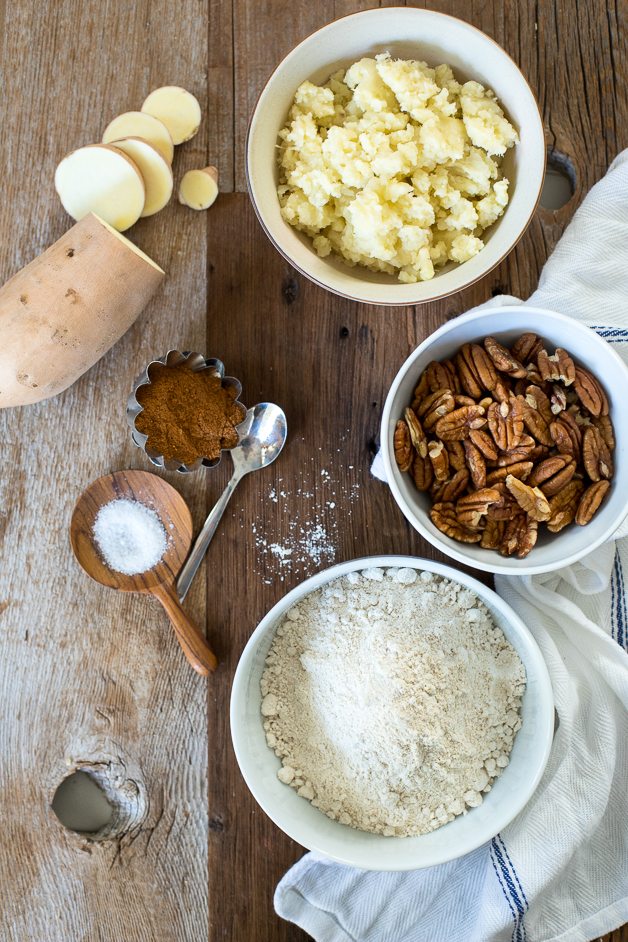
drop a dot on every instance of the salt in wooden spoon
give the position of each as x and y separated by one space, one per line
159 581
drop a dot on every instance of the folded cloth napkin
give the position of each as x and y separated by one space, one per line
559 871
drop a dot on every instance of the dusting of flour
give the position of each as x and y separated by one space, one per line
392 700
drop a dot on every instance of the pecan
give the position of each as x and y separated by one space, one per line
434 406
443 516
534 422
590 502
461 400
563 506
483 441
557 368
440 460
553 474
471 509
451 490
605 427
506 507
475 369
503 359
438 376
455 379
558 399
580 418
493 534
533 375
456 455
422 388
567 435
527 347
590 392
520 469
422 473
502 389
402 446
417 435
566 366
519 536
469 379
531 499
475 463
505 424
596 455
484 366
537 399
457 424
525 451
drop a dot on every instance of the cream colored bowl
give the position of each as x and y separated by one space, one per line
405 33
552 551
310 827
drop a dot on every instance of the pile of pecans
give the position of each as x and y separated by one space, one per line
504 439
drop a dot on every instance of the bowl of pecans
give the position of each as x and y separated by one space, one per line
502 442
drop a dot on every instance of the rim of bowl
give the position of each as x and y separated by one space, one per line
545 697
378 301
518 567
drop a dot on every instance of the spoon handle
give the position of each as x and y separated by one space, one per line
194 645
204 538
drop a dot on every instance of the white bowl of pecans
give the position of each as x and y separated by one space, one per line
502 443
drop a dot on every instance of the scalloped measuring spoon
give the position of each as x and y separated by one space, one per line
262 436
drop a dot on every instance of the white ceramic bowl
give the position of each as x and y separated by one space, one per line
552 551
310 827
406 33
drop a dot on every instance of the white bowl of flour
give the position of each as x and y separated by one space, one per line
350 731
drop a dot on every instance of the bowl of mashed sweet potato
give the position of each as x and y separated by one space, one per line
396 156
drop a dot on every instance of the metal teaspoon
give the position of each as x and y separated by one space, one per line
263 435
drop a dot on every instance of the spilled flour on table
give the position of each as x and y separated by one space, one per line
312 537
296 529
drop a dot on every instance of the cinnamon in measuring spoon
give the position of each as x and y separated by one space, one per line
188 414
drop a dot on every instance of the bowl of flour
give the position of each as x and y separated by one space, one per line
392 713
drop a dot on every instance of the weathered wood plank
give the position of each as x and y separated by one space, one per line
69 651
86 675
329 362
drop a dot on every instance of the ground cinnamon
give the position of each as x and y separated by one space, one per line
188 414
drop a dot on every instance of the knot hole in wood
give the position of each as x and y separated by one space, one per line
560 180
100 800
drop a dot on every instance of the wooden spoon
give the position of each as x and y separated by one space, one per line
159 581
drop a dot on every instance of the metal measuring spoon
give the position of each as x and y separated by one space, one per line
262 436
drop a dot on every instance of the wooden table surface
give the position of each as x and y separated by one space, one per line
92 679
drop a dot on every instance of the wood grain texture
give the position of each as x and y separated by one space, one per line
71 662
89 677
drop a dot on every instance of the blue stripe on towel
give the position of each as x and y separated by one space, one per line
512 867
506 896
509 889
618 601
612 334
614 600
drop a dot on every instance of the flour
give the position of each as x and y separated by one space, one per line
305 532
392 699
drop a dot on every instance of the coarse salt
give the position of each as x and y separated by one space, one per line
130 536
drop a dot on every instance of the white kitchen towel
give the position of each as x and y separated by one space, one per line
559 872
